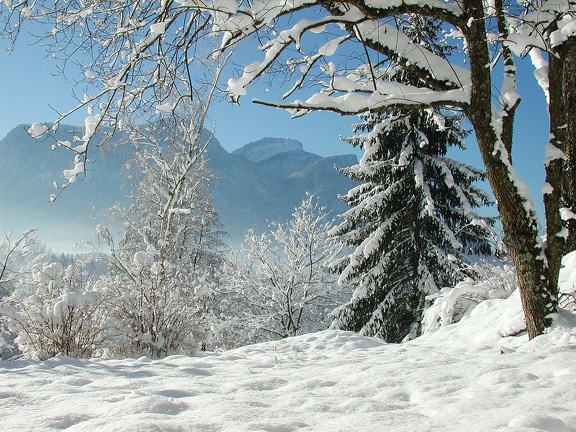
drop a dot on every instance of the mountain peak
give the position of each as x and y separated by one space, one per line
266 148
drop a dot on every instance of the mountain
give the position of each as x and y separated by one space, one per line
265 180
267 148
260 182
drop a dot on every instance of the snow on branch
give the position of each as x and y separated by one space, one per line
448 84
286 38
387 39
237 22
447 10
140 61
353 103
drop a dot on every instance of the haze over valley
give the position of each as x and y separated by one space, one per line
260 182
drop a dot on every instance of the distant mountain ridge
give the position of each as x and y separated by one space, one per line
260 182
266 148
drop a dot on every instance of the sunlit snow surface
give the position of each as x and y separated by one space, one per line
456 379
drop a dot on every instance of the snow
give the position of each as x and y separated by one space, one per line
449 7
142 259
540 71
566 29
464 376
567 214
35 130
90 125
165 108
380 33
71 174
567 276
547 188
439 67
553 153
158 28
387 95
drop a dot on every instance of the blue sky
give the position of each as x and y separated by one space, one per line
30 85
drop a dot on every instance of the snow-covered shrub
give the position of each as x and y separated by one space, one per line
156 308
8 348
55 310
233 321
280 279
491 281
15 253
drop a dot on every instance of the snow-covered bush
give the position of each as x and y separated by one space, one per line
281 281
14 254
8 348
56 310
156 308
491 281
163 269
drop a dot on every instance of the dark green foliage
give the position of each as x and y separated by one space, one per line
412 220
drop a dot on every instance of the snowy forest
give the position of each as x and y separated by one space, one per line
414 226
420 76
431 251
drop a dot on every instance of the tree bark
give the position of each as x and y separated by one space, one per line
568 57
518 220
556 244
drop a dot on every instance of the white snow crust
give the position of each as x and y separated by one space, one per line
463 377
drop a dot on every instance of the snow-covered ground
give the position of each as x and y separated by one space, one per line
464 377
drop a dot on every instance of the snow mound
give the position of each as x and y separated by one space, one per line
452 304
537 422
567 282
266 148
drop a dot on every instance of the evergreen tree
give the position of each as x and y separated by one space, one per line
412 220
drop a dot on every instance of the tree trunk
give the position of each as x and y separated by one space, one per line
568 58
556 243
416 296
561 171
518 219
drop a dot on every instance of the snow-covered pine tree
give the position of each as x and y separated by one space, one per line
412 220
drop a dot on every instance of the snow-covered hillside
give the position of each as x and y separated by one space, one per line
463 377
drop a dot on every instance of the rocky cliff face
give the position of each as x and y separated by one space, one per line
261 182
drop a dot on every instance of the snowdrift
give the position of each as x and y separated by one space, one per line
468 376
